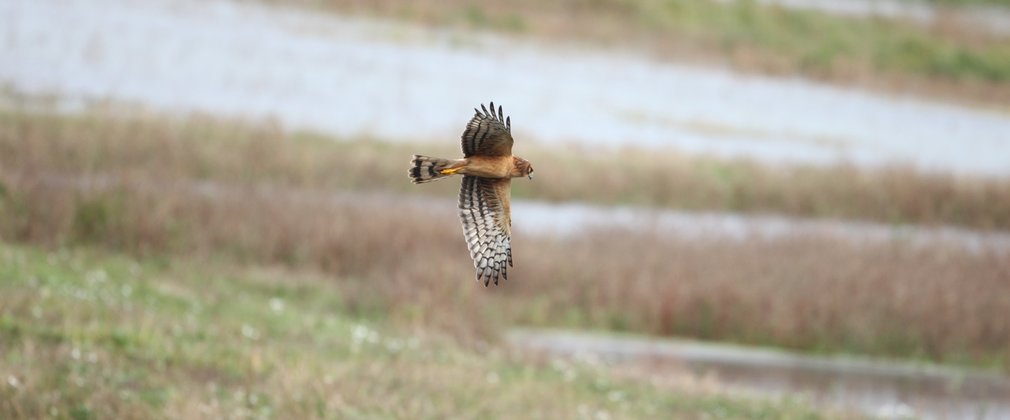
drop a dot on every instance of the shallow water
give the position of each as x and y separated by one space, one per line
395 81
565 219
874 387
553 219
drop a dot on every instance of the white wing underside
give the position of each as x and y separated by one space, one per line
484 211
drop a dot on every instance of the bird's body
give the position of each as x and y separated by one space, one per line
488 167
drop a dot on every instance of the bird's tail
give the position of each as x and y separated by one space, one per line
427 168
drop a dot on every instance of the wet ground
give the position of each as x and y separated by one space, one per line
880 388
402 82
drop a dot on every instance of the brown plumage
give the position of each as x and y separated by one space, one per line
487 167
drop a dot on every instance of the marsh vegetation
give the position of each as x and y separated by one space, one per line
273 201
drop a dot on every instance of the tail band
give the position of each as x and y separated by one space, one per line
427 168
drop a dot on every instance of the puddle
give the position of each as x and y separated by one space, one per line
874 387
396 81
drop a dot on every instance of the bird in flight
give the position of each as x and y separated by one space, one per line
487 167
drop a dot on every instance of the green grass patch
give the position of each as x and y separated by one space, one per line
87 334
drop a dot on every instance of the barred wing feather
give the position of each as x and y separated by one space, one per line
488 133
484 209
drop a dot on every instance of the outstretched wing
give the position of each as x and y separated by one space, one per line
488 134
485 211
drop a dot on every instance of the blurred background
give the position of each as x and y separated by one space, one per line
742 209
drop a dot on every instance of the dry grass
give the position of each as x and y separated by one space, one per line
948 59
810 293
155 148
271 202
940 303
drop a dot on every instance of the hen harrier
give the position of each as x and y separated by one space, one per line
487 168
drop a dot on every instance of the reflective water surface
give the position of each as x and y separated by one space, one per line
882 388
574 218
394 81
552 219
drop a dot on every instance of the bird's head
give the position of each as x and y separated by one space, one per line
522 168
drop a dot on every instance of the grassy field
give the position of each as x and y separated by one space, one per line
251 194
87 334
155 147
948 58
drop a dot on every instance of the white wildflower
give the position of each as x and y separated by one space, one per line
492 378
361 334
249 332
276 305
96 277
